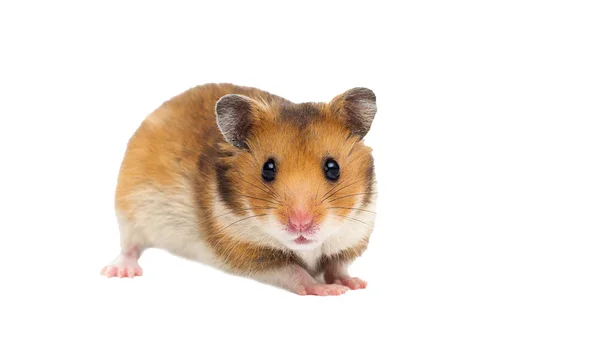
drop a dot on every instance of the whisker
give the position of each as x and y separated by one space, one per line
351 208
333 188
218 243
268 187
357 220
362 193
263 190
258 198
248 209
240 220
345 187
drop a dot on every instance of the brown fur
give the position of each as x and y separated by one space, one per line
181 140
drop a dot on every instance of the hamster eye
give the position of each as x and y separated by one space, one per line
268 170
332 170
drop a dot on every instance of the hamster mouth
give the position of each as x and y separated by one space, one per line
302 240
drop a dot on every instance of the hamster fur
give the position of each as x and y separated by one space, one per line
192 182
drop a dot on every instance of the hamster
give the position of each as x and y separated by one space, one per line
252 184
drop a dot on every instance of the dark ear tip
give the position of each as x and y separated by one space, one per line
361 93
230 100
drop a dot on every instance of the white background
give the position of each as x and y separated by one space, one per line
487 154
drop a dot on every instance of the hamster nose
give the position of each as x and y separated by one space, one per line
300 220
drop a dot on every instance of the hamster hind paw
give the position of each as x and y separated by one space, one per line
123 266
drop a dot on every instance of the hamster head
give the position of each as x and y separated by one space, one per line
297 173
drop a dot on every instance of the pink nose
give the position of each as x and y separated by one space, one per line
300 220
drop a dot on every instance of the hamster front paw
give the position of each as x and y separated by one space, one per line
352 283
337 273
321 289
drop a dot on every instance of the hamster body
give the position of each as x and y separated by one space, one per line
253 184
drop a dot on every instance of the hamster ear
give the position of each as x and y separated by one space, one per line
235 118
357 107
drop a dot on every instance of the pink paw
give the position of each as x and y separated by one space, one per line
122 267
121 272
321 289
352 283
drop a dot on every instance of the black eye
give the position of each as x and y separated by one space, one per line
268 171
332 170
